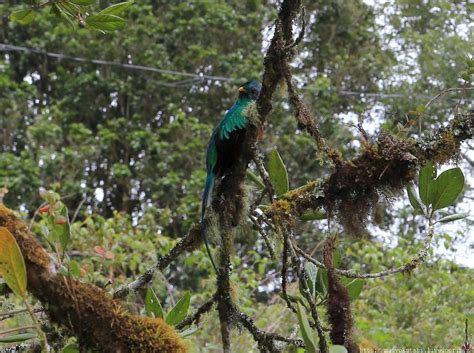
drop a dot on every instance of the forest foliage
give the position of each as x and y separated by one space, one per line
108 161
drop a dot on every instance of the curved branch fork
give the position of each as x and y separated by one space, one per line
85 311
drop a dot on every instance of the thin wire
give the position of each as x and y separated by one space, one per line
200 76
194 78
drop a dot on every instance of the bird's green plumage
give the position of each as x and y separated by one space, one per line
234 119
224 146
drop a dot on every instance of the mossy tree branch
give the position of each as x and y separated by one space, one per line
389 163
85 311
229 205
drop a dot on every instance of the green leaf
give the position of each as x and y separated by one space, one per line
355 288
312 271
414 199
278 173
466 76
337 349
61 228
322 283
71 348
83 2
453 217
336 258
74 268
420 109
105 23
313 215
116 9
294 298
180 310
306 331
12 264
50 197
18 338
190 331
425 183
153 306
447 188
23 17
66 17
255 179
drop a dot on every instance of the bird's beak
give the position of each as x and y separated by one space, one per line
242 90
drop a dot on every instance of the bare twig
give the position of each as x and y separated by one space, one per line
10 314
32 220
15 329
408 266
264 175
442 93
257 223
190 242
76 212
284 274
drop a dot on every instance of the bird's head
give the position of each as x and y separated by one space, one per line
250 90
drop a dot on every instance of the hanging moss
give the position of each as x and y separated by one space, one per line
338 304
382 168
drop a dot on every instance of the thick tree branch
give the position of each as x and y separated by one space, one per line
229 205
85 311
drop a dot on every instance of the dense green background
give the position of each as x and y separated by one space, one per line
139 139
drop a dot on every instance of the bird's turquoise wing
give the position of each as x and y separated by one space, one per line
233 120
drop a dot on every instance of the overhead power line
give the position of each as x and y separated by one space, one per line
193 78
200 76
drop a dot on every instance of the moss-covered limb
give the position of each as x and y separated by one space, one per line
229 204
280 49
304 118
445 144
338 303
267 341
225 305
85 311
389 164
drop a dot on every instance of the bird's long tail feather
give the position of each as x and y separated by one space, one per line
206 201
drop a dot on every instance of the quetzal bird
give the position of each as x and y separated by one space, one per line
224 147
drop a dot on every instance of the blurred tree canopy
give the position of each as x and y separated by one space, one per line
128 145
